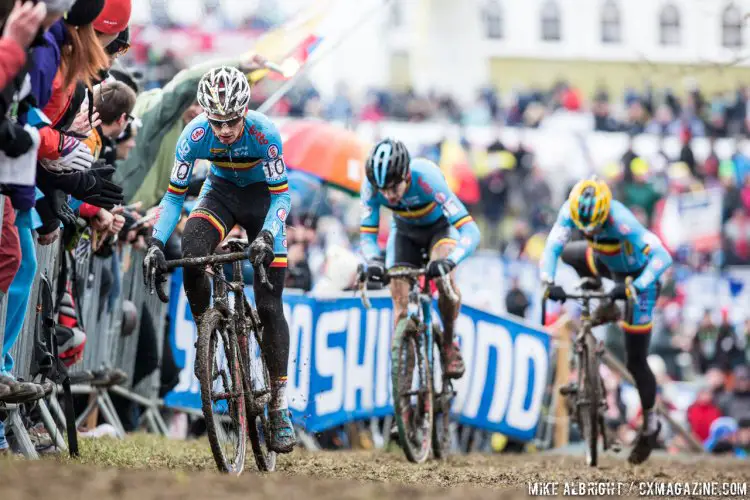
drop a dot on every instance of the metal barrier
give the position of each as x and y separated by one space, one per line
146 394
106 348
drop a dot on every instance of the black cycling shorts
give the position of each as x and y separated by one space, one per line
224 204
410 245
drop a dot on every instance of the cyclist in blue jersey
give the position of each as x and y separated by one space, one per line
616 246
428 219
247 185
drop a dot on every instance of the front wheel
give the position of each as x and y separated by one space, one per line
221 379
589 390
412 390
441 429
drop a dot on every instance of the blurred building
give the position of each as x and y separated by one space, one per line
460 46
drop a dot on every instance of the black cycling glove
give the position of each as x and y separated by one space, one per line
376 271
556 293
260 251
96 190
439 267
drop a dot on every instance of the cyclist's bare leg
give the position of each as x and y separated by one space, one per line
448 311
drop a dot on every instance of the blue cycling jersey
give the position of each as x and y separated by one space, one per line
622 244
427 200
255 157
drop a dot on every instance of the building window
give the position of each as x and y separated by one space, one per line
492 19
397 14
611 30
731 27
551 31
669 25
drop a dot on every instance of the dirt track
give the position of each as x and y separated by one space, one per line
341 475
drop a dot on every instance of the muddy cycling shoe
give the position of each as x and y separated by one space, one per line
606 312
453 363
282 438
644 445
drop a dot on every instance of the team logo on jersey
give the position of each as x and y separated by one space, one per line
198 134
657 264
284 243
273 151
624 228
366 211
217 151
259 135
425 186
440 198
281 214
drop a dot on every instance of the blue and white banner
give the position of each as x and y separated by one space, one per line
339 364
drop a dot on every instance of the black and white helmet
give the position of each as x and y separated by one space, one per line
224 91
388 163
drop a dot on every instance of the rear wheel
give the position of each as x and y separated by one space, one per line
589 390
412 391
221 378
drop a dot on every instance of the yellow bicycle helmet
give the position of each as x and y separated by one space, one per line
589 201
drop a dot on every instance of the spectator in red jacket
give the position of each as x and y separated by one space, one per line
702 413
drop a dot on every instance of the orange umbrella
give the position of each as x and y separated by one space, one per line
333 154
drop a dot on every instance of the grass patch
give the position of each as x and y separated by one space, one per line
145 451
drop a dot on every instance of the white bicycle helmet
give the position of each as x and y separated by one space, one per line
224 91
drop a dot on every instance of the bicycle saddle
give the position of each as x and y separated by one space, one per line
235 245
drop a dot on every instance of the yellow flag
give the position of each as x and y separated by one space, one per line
278 43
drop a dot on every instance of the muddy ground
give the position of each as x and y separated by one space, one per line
115 471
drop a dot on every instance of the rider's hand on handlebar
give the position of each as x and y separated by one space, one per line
260 251
439 267
375 271
623 291
556 293
154 261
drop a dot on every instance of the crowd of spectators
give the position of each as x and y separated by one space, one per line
65 122
658 111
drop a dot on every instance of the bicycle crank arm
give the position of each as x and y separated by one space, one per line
221 396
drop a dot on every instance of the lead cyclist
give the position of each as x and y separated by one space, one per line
246 185
616 246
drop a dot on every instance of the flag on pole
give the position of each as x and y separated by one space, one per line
291 45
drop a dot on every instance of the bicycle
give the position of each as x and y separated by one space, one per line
240 378
415 399
588 394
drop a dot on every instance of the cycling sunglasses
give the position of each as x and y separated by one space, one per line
230 122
